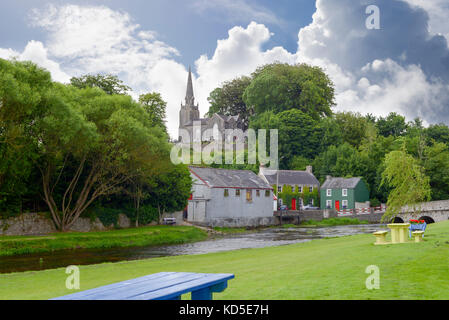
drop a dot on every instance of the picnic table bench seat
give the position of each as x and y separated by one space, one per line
381 237
417 227
159 286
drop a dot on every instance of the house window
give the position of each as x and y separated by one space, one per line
226 192
237 192
345 204
267 193
258 193
279 189
300 189
329 204
310 189
329 192
249 195
344 192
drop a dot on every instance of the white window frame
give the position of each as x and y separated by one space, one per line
329 204
343 203
329 192
300 189
311 189
344 192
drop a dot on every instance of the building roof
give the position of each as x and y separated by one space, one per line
224 178
291 177
340 183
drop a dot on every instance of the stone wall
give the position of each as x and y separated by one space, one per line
318 215
247 222
39 224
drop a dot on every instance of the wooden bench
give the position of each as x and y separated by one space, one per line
381 237
418 235
159 286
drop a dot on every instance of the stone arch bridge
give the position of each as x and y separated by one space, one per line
431 212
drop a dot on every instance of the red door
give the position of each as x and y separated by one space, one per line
293 204
337 205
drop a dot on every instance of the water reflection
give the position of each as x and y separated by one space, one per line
262 238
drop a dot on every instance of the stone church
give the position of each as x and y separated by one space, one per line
189 116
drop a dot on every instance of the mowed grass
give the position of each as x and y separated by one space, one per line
321 269
144 236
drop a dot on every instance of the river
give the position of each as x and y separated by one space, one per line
256 239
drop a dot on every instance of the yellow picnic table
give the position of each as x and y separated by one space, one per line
399 232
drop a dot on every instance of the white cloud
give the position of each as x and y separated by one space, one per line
37 53
438 11
239 10
240 54
372 72
97 39
376 71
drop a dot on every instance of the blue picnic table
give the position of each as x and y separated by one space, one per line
415 227
159 286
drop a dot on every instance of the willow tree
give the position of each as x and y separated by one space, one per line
91 144
409 185
23 90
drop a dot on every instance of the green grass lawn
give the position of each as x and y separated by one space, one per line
321 269
144 236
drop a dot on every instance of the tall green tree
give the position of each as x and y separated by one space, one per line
409 185
109 83
91 144
171 190
24 88
438 132
228 100
155 107
436 165
392 125
280 87
352 126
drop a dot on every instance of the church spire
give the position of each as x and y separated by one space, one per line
189 94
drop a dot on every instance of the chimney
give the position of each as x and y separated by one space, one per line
309 169
328 177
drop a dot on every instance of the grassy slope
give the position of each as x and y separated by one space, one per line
144 236
320 269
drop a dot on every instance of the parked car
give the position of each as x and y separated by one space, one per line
283 207
309 207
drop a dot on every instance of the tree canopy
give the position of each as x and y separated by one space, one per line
228 100
75 146
280 87
109 83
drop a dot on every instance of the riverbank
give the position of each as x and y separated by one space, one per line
320 269
134 237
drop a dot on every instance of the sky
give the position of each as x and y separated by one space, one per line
402 66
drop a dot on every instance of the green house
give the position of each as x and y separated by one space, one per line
343 193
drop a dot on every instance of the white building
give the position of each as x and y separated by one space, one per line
229 198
